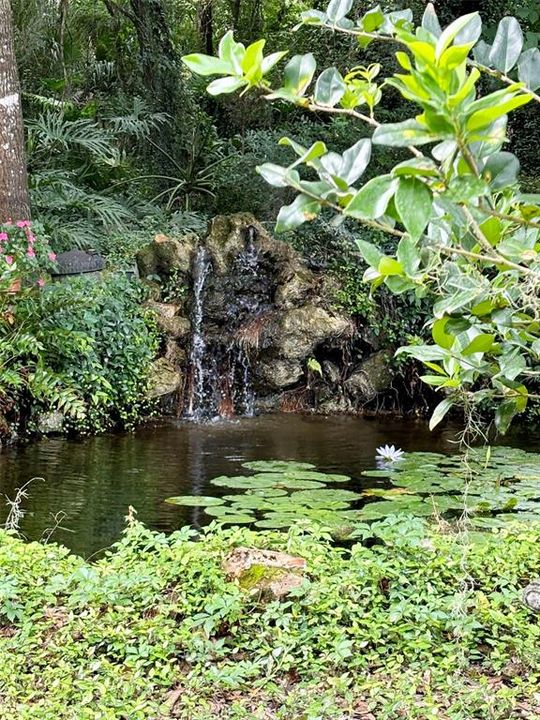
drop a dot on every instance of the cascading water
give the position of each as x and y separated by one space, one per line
223 308
201 268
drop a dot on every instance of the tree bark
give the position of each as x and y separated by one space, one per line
14 203
206 28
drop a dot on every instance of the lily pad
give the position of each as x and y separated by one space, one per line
325 495
242 482
195 500
218 510
280 466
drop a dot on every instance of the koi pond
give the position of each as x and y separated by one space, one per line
268 471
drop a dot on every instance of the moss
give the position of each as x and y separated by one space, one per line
260 576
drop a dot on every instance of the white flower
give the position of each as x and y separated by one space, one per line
389 453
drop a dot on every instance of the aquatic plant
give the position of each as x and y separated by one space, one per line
502 484
389 453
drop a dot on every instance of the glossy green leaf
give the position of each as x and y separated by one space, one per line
371 254
301 210
449 34
389 266
504 415
372 199
408 256
271 60
423 166
529 68
439 334
195 500
299 72
440 412
274 174
402 134
207 65
278 466
372 20
430 21
329 88
413 203
338 9
483 342
507 45
226 85
501 169
355 160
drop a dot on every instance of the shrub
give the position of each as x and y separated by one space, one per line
98 339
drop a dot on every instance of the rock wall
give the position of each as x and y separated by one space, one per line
263 324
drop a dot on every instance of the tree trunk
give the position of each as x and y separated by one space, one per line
158 59
14 204
206 28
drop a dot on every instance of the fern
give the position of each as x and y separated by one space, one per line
52 133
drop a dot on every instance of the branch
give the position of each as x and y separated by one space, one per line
492 254
510 218
503 78
114 10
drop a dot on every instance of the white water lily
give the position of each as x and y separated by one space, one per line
390 453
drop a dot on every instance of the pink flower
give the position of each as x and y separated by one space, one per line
9 259
40 282
52 256
30 252
23 223
31 238
3 236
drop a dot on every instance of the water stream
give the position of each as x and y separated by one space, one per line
196 400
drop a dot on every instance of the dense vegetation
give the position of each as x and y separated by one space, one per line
122 141
156 629
414 154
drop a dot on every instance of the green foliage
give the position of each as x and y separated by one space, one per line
96 338
466 239
74 159
374 628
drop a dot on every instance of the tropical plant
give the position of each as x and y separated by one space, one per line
96 337
466 237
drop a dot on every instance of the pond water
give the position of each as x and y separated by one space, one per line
89 484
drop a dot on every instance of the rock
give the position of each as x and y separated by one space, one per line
297 332
50 423
165 255
176 327
277 374
264 571
78 262
172 324
165 378
227 238
331 372
531 596
174 353
163 310
296 290
373 376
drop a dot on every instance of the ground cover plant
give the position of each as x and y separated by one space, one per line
156 630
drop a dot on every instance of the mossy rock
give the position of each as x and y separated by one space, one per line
265 572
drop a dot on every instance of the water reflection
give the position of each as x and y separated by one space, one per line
95 480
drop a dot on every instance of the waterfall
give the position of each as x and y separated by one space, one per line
220 383
201 268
